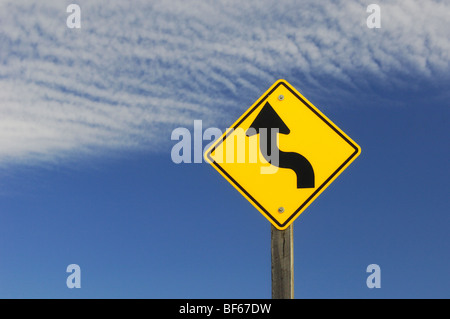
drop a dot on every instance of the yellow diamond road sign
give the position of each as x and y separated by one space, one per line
282 153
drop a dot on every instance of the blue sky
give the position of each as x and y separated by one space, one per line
86 175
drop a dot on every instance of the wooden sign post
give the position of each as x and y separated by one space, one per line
282 247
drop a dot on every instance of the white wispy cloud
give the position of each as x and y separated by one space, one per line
137 69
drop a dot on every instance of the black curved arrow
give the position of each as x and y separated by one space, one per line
269 119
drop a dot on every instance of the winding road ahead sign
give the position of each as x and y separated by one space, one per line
282 153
